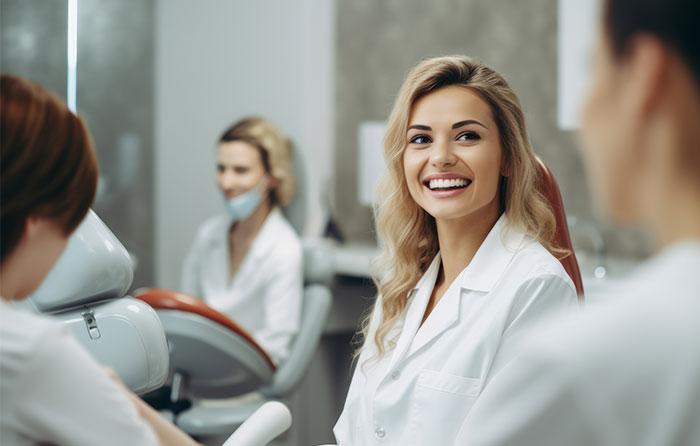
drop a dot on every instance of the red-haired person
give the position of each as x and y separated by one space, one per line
51 390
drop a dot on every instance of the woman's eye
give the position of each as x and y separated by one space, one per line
420 139
241 170
468 136
220 168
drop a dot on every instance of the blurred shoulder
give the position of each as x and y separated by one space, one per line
22 334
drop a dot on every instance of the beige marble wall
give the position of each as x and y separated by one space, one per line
378 41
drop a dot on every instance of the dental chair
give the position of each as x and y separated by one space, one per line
86 290
550 190
212 357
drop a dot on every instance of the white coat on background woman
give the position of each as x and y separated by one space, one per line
247 263
468 262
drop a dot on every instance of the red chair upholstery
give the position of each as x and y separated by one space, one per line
550 189
161 299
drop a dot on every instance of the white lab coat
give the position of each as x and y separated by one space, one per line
265 295
53 392
420 392
622 374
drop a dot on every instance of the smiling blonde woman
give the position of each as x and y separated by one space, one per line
468 260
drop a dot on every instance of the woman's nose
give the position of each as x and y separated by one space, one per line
227 180
441 155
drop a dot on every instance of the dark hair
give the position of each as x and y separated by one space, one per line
674 22
48 164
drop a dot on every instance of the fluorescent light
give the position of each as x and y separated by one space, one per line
71 94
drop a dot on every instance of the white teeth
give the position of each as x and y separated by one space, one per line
447 184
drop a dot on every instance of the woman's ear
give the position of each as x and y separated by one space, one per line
646 69
29 229
272 182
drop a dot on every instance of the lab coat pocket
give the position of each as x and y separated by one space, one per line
440 405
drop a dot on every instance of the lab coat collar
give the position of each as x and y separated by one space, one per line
444 315
418 302
261 246
493 257
482 274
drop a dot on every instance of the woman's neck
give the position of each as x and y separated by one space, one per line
248 228
7 286
460 239
243 233
671 202
677 218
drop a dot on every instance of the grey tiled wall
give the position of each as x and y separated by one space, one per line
114 95
34 40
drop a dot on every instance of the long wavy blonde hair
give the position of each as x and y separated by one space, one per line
408 233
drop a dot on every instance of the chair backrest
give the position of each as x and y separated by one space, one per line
296 210
234 362
316 306
161 299
195 330
550 189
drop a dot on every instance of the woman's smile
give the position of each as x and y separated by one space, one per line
446 185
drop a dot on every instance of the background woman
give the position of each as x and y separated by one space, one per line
467 260
247 262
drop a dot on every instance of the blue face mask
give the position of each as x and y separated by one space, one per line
243 206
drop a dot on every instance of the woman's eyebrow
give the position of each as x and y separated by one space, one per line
459 124
419 127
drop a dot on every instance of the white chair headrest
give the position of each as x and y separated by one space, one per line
318 260
94 266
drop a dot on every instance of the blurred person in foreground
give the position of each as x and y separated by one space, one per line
627 372
51 390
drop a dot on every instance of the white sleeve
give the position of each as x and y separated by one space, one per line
64 397
533 401
527 400
282 305
190 283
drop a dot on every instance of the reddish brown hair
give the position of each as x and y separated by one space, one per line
48 164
